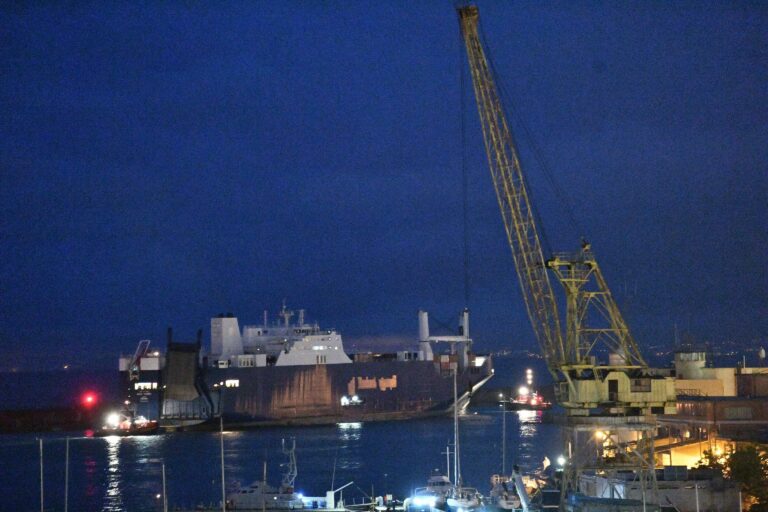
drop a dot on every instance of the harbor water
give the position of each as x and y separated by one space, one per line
125 474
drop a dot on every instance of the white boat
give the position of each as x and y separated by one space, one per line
261 496
464 499
503 496
431 497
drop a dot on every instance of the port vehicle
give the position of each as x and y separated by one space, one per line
296 373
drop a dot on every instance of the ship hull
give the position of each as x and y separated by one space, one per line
325 394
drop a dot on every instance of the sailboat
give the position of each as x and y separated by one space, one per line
460 498
261 496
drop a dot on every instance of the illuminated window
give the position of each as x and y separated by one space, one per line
232 383
144 386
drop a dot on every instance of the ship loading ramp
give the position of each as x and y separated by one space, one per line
185 399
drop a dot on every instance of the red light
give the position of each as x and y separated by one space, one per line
89 399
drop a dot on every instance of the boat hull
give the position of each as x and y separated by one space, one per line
323 394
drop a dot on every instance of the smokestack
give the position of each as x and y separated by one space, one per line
169 336
265 317
423 325
199 338
464 323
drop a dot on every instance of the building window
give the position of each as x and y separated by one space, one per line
738 413
232 383
640 385
144 386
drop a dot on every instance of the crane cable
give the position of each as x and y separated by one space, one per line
464 177
562 197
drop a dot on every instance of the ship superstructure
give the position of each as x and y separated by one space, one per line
281 344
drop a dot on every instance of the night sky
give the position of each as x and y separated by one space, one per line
165 162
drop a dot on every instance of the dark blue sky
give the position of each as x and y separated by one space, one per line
166 162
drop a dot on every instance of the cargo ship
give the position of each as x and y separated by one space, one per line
290 372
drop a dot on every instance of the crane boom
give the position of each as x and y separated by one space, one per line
605 402
596 342
514 203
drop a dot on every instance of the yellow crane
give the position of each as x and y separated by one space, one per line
609 393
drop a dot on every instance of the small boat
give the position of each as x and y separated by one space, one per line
127 423
503 496
527 398
464 499
431 497
261 496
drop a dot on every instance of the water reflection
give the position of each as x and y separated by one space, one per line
113 499
350 431
528 429
349 436
125 473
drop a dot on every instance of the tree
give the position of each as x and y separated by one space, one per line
710 460
748 465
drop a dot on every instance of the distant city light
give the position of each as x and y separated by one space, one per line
561 461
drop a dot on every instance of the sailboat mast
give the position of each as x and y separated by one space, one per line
42 497
456 469
221 449
66 477
165 497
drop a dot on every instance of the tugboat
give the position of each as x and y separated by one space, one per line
127 423
527 398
